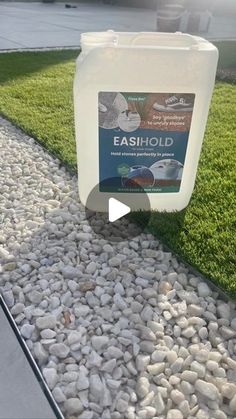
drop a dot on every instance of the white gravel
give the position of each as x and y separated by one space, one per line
119 330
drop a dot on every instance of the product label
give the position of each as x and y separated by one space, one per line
143 139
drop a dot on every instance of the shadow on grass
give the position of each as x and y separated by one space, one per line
14 65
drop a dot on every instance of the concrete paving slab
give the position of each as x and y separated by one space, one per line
21 395
40 25
52 25
8 44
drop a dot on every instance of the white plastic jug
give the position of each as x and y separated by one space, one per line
141 105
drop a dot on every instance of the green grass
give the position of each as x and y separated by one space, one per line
36 94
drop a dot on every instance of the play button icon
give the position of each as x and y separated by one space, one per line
113 216
117 210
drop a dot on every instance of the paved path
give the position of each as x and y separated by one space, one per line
37 25
43 25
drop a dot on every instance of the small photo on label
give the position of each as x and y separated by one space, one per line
138 176
110 105
129 121
174 103
168 169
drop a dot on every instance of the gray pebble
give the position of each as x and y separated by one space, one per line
58 395
46 322
17 309
51 377
207 389
99 342
27 330
59 349
142 387
73 406
35 297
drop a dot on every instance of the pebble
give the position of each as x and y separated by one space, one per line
198 368
51 377
177 396
119 302
17 309
228 390
185 408
142 361
94 359
58 395
96 387
109 366
73 406
122 405
10 266
119 289
114 352
147 346
212 365
108 248
158 356
177 365
187 388
174 414
26 268
227 333
195 310
59 349
136 307
91 268
189 332
159 403
157 368
147 313
142 387
114 261
81 310
82 382
99 342
9 298
203 289
72 285
46 322
48 334
202 355
203 333
207 389
35 297
40 353
27 330
223 311
4 254
164 287
84 237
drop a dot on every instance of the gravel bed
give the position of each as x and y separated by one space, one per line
119 330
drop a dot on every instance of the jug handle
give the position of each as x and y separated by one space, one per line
165 39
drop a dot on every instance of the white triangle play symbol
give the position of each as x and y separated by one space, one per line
117 209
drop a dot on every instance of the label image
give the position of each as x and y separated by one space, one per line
143 139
